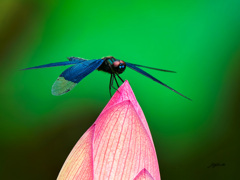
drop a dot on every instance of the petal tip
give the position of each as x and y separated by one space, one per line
125 86
124 92
144 175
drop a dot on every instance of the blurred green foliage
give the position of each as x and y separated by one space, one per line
198 39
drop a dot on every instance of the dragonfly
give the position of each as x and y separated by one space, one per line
69 78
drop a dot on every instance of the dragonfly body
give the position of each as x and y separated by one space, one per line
111 65
69 78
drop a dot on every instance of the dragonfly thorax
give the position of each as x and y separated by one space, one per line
112 65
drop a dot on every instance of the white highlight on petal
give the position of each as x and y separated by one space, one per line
79 164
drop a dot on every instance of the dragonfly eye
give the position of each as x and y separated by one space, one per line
119 66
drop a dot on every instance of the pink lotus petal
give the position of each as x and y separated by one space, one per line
144 175
122 146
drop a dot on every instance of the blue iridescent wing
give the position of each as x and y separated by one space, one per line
132 66
73 75
72 60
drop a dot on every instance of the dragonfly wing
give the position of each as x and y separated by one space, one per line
56 64
132 66
73 75
152 68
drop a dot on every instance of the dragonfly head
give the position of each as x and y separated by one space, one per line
119 66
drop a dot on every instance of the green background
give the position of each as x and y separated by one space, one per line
199 39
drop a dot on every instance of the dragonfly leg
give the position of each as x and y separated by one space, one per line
115 79
112 82
120 77
110 86
111 79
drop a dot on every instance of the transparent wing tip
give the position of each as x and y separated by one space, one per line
62 86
